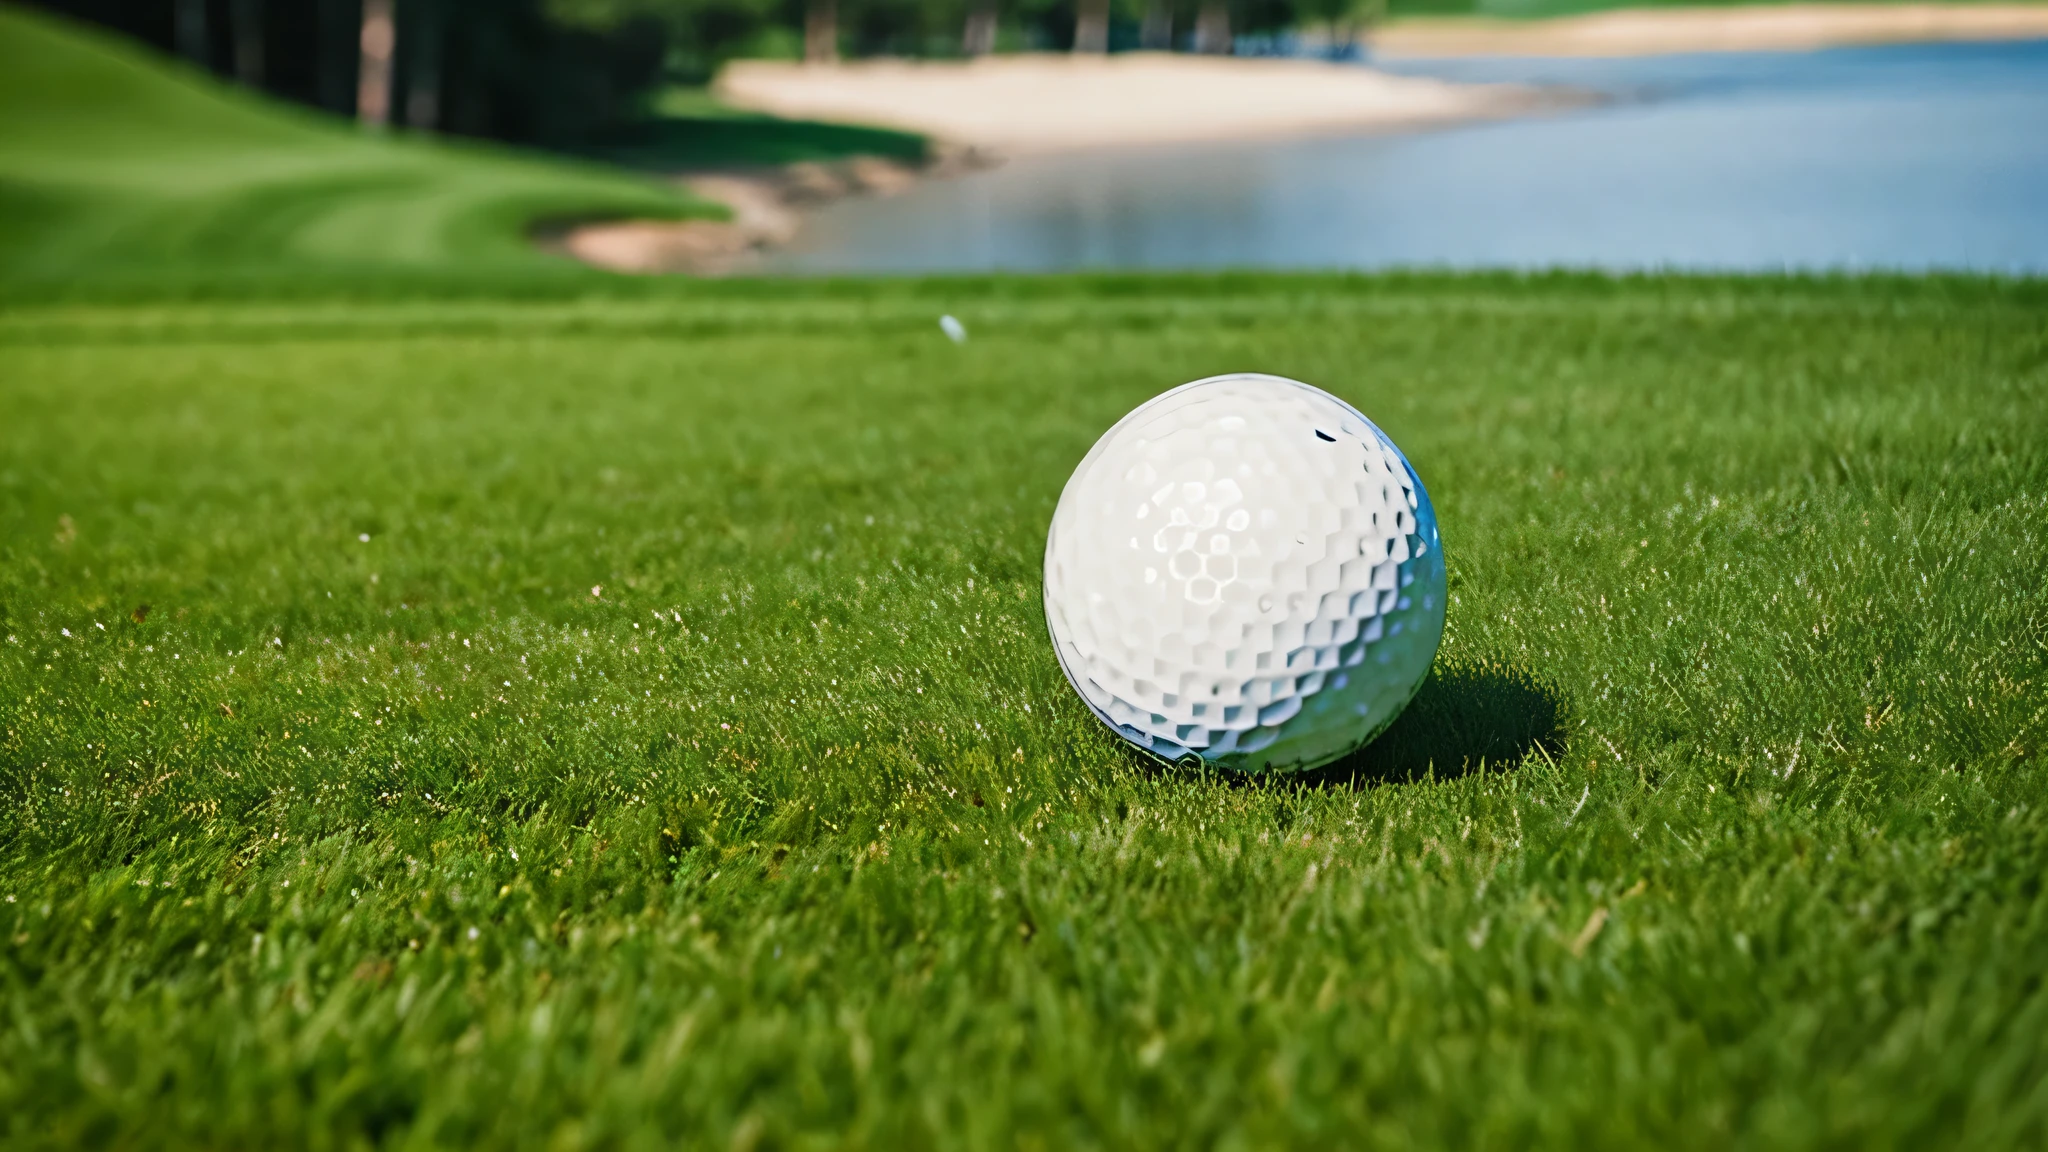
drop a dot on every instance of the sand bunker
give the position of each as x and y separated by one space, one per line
1014 105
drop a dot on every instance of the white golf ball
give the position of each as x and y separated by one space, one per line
1246 570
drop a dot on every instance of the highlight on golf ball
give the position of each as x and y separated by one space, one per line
1246 570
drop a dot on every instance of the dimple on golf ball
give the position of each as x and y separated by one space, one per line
1246 570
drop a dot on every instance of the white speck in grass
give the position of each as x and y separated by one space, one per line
65 631
1477 936
472 933
100 626
596 591
954 329
362 537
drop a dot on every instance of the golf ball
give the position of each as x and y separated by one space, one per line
1245 570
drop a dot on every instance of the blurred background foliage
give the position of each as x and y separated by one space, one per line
576 73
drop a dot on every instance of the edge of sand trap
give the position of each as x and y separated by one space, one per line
1017 105
1763 28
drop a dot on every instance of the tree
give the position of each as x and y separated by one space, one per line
1156 33
978 36
1212 27
419 62
821 31
379 42
245 20
1091 26
189 21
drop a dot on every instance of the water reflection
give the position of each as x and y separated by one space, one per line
1912 157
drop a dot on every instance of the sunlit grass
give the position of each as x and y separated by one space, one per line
625 720
451 698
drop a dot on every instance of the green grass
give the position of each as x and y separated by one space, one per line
127 170
793 836
451 699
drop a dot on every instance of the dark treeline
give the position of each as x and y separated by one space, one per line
498 68
565 72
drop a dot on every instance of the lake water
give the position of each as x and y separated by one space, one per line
1928 156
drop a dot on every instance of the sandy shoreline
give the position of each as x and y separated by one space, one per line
767 207
1037 103
1662 31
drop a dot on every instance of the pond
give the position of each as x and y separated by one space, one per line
1913 157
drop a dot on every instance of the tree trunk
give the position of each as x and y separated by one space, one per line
423 77
190 32
821 32
247 18
373 78
978 38
1156 34
1212 28
1091 26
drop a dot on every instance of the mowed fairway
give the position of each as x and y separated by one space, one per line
627 720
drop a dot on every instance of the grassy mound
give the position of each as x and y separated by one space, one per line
638 711
116 167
